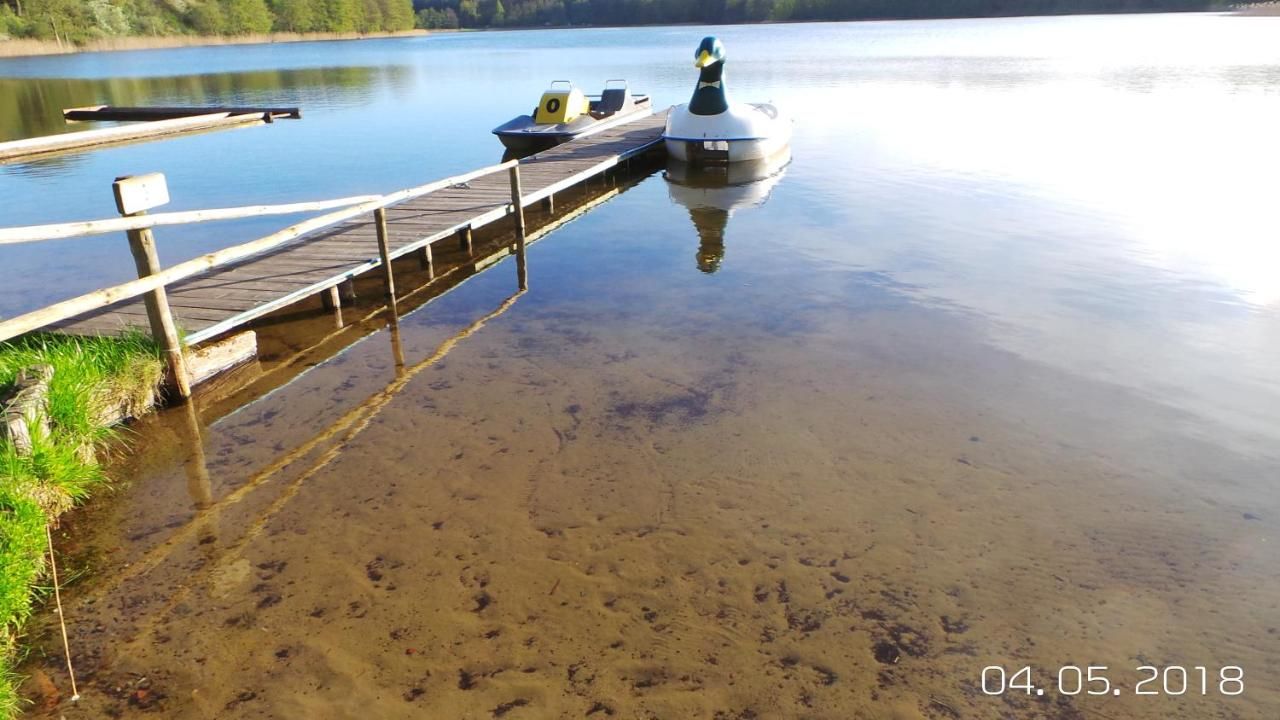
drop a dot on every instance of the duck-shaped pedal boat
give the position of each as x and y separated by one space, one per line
711 129
564 113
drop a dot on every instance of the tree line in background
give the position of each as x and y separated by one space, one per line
528 13
80 20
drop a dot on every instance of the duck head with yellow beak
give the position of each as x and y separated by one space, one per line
709 97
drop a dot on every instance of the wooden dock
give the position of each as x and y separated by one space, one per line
112 113
207 305
38 147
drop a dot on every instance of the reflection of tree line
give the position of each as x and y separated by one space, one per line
492 13
33 106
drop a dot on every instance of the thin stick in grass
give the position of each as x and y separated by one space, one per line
62 621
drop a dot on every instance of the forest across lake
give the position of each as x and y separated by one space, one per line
95 23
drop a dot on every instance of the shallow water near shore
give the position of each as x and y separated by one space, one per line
984 376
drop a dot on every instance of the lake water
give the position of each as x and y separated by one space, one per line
987 375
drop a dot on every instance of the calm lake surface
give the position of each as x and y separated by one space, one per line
987 375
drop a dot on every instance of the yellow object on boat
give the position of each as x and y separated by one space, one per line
561 105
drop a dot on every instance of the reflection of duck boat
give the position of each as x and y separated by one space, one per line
564 113
713 192
710 129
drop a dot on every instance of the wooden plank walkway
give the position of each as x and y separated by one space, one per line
213 303
31 148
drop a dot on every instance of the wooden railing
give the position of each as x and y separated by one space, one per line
60 231
152 279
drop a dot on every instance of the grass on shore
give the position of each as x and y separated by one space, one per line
95 382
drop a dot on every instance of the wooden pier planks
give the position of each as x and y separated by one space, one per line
21 150
223 299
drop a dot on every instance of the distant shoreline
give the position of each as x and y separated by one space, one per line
24 47
15 48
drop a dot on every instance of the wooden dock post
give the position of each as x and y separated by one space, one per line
464 239
427 262
332 299
134 196
517 202
549 204
384 250
397 348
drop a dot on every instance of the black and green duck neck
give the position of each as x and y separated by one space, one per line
708 96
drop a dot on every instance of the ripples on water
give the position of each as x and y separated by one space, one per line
988 379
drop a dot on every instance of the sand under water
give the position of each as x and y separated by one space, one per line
649 493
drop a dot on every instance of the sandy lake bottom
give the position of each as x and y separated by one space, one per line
661 506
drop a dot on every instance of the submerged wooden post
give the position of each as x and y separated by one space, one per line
549 204
332 299
517 202
384 250
199 486
134 196
397 349
464 239
427 262
199 483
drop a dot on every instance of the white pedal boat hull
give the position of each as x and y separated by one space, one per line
743 133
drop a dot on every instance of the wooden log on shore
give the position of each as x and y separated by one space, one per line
25 407
213 359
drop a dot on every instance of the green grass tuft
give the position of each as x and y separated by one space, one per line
22 543
95 382
92 377
11 702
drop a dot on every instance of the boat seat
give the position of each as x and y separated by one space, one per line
612 100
